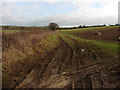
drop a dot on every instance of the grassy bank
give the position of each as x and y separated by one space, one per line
18 47
84 29
105 46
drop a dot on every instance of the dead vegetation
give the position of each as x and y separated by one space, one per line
97 33
21 51
22 41
69 64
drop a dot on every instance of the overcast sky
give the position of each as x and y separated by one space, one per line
63 12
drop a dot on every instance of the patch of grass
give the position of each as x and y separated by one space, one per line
107 41
10 31
83 29
110 48
51 41
68 41
13 31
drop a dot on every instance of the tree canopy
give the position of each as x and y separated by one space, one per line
53 26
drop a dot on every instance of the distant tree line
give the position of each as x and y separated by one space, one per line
114 25
51 26
85 26
9 27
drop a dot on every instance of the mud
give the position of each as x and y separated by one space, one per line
108 34
67 67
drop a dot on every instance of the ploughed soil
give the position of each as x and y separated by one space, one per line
108 34
67 67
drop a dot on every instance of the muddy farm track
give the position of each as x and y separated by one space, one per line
68 67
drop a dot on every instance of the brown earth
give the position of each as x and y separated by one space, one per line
108 34
67 67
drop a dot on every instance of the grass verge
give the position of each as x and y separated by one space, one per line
84 29
107 47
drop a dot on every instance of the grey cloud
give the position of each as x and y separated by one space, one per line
80 17
62 21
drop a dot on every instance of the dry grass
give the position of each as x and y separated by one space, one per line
20 45
24 50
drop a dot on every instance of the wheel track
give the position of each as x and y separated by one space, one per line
104 75
70 68
42 72
59 58
36 74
